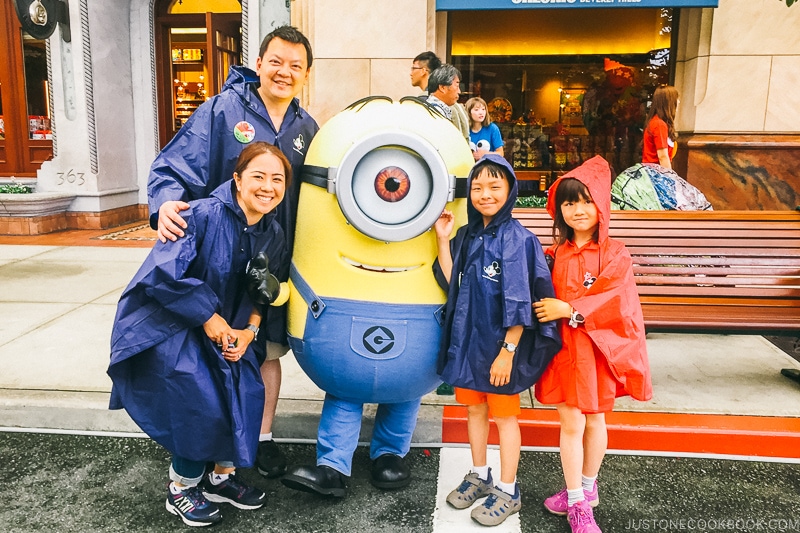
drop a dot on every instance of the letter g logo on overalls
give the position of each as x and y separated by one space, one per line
378 340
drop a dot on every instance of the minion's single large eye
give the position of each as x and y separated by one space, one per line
392 184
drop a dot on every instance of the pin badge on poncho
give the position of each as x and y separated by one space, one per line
244 132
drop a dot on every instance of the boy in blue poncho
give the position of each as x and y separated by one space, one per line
184 361
493 347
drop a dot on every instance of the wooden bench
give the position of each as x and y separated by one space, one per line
731 271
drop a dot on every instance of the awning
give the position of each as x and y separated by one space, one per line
463 5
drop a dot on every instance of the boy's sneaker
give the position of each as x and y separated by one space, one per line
471 489
233 491
557 503
497 507
270 460
581 518
192 507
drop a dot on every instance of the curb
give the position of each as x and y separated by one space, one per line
88 412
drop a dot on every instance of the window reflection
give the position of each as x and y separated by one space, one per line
37 90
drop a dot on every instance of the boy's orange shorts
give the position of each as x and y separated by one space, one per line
500 405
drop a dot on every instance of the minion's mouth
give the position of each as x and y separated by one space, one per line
379 269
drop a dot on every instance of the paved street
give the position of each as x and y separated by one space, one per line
65 483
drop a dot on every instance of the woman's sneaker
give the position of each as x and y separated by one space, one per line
233 491
497 507
581 518
472 489
190 505
557 503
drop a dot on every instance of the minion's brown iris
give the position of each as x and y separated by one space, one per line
392 184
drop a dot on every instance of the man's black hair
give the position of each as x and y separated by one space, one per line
290 34
431 60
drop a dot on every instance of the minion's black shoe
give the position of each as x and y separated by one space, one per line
390 471
270 460
322 480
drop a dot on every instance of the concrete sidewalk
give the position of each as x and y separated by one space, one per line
58 304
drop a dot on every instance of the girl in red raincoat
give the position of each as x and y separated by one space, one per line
604 354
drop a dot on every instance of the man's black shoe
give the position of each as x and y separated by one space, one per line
270 460
322 480
390 471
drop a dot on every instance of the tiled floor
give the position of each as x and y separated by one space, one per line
113 237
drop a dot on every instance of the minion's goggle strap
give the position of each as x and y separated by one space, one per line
325 177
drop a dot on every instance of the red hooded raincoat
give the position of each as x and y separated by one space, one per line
606 356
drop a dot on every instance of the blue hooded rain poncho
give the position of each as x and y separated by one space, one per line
498 272
166 373
203 154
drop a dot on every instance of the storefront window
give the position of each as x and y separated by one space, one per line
37 91
564 86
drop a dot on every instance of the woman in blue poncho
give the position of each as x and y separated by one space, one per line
183 360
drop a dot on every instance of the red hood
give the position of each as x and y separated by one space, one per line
596 175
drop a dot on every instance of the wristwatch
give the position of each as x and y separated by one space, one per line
252 328
510 346
575 318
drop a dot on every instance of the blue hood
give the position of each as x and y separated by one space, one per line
474 218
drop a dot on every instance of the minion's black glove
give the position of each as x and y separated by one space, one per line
261 285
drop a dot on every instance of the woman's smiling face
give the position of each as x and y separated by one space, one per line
261 186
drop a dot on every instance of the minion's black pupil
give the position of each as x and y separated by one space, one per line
392 184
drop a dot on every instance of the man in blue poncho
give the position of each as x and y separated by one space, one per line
252 106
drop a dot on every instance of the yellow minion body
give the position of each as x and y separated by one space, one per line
364 310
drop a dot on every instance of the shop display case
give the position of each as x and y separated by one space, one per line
189 81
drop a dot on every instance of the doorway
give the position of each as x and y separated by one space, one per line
25 125
197 41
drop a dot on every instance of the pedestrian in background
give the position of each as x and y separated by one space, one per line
184 361
659 144
604 355
421 69
492 348
484 135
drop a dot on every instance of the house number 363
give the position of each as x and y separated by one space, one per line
71 177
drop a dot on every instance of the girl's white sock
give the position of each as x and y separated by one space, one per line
574 496
588 482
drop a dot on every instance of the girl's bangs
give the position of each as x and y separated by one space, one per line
571 190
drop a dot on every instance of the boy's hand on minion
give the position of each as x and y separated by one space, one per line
549 309
444 224
500 373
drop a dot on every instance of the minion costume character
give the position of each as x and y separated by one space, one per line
364 314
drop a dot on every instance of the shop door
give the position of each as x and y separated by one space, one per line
224 38
194 50
25 135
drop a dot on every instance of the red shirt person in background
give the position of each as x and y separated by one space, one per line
659 136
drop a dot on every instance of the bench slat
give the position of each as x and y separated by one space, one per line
695 271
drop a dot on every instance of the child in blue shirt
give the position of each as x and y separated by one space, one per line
484 135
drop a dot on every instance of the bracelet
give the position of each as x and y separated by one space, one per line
252 328
575 319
